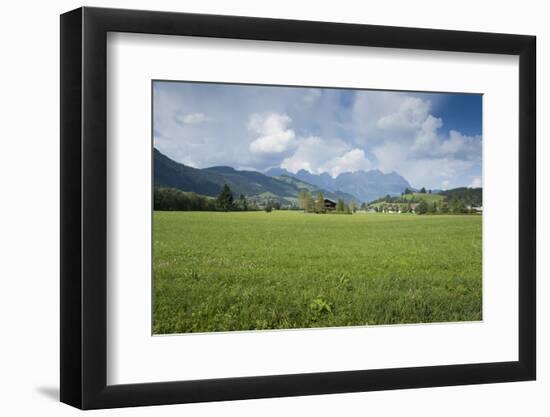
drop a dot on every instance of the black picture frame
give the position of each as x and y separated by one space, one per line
84 207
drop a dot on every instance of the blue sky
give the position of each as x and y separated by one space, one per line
432 139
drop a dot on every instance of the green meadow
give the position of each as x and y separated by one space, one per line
216 271
428 198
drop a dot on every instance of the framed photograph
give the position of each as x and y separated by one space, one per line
258 208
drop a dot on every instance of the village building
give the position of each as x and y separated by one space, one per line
478 210
329 204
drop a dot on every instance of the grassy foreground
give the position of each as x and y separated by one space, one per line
217 271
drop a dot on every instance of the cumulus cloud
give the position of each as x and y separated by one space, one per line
428 172
420 169
275 137
354 160
426 140
312 152
414 145
411 114
320 130
463 146
333 156
381 116
191 118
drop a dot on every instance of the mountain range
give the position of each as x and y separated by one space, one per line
276 184
363 185
252 184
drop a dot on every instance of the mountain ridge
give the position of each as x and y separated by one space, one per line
253 184
363 185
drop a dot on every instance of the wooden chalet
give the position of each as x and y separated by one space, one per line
329 205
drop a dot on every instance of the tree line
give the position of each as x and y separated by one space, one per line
444 207
455 206
461 200
421 191
457 201
468 196
452 206
172 199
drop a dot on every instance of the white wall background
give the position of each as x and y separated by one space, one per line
29 210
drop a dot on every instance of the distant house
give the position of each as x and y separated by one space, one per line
478 210
414 206
329 205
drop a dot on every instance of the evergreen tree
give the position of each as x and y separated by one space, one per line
243 205
340 205
422 190
457 206
225 198
422 207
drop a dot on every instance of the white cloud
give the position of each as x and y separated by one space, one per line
426 140
445 184
313 152
354 160
191 118
476 183
430 171
367 109
462 146
321 130
419 170
380 116
411 114
391 157
429 142
404 136
274 135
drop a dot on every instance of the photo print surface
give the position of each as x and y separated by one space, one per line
282 207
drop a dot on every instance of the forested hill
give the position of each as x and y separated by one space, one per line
252 184
468 196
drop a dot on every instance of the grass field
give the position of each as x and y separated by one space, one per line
428 198
254 270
